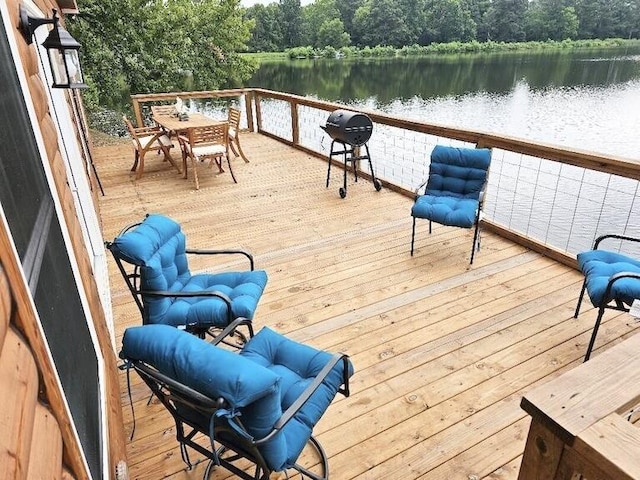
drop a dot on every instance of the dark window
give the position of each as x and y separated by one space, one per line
35 228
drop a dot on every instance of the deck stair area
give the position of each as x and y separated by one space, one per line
443 351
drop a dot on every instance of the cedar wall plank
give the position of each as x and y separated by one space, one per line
5 307
45 459
19 387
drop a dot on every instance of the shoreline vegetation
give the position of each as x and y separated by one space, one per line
308 52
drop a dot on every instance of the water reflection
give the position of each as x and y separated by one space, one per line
587 99
394 79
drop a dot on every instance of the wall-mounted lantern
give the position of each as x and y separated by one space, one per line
62 49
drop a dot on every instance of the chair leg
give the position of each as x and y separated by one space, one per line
140 169
167 156
231 169
413 234
195 171
584 289
136 157
476 236
593 334
237 142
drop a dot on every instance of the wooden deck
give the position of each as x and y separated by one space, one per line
443 351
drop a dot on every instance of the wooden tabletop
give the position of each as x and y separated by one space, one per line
586 408
171 122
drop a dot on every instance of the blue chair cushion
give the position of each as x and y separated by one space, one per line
296 365
208 369
262 381
158 247
452 211
243 288
456 179
598 266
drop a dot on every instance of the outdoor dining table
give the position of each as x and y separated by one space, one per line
172 123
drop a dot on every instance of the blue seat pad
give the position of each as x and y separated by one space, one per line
599 265
296 365
452 211
243 288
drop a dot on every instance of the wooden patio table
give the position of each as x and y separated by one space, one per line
172 123
580 420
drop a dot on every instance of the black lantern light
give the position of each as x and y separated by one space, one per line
62 49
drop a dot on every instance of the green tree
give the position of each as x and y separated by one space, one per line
551 20
160 45
347 10
291 23
314 16
266 35
381 22
331 33
505 20
608 18
447 21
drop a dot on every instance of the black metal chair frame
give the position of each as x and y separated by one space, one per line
235 442
351 155
618 304
132 279
476 234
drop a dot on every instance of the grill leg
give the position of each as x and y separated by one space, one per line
343 191
329 167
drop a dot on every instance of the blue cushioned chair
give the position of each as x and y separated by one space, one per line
611 279
152 258
259 404
454 190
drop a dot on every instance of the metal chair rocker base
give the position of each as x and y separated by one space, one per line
260 473
348 156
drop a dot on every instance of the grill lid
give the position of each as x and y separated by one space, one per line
349 127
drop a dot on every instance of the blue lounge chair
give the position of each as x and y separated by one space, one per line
258 404
454 191
152 258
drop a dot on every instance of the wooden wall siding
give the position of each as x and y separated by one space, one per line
37 91
31 443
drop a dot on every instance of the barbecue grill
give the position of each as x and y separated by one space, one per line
349 131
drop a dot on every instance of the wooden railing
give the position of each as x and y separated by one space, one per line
295 120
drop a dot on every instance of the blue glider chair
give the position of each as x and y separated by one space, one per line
152 258
258 404
611 279
454 190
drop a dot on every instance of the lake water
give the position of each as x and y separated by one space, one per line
586 99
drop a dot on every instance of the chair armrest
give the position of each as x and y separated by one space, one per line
231 328
223 252
423 184
615 277
618 237
306 394
199 293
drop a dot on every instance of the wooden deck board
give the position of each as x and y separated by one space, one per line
443 351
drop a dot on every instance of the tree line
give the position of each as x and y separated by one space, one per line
340 23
